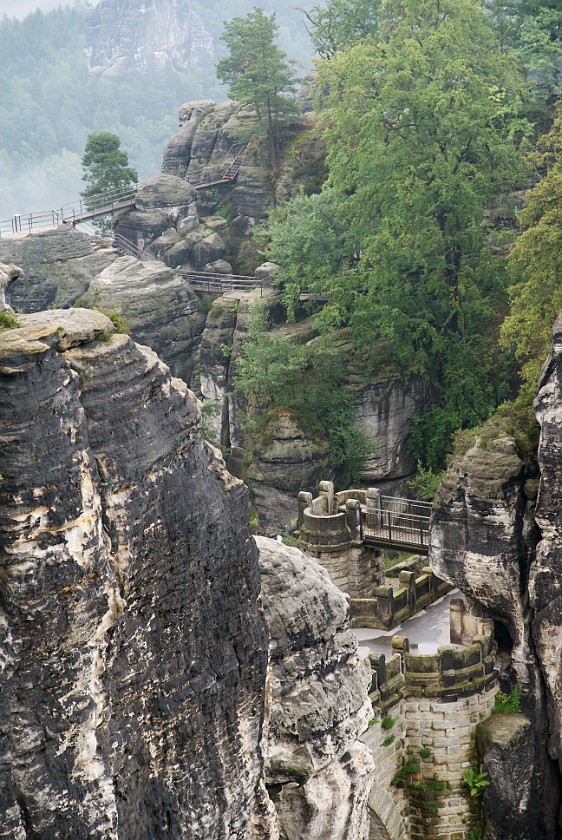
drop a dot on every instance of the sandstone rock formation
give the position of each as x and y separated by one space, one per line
66 267
132 649
384 414
123 34
158 304
546 573
8 273
58 266
318 772
483 540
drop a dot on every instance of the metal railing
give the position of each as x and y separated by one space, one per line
216 284
71 213
398 522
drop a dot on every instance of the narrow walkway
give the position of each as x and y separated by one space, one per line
427 631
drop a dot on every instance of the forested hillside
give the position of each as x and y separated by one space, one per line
430 112
50 102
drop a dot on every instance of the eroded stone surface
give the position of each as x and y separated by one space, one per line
319 774
132 649
546 576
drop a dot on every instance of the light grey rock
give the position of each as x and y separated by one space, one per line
318 772
8 273
384 414
159 305
133 650
125 34
58 266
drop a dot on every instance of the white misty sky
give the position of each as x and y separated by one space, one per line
21 8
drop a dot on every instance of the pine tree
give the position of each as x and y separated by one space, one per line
259 74
106 168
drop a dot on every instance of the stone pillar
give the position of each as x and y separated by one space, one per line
408 581
304 501
353 519
326 489
374 510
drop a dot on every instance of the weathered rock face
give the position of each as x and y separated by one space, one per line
136 33
477 534
283 461
8 273
65 267
132 649
58 266
208 131
546 574
384 413
318 772
511 804
483 539
159 305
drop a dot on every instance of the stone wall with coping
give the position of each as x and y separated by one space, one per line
388 607
432 705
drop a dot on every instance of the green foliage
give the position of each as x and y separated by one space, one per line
476 781
425 753
420 138
8 321
476 833
306 380
259 74
314 252
392 558
535 264
342 23
119 321
106 173
373 721
425 483
508 704
388 722
388 740
408 769
106 169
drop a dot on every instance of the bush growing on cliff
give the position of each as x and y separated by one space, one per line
8 321
309 381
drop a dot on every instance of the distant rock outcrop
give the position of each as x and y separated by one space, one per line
124 34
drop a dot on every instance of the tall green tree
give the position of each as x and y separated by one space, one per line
106 168
259 74
340 24
535 264
420 144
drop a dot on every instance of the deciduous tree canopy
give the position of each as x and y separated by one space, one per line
420 142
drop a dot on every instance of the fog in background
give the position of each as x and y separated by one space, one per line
21 8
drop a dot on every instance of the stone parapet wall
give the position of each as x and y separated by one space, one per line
389 607
425 713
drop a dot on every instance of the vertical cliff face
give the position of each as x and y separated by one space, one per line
546 574
138 33
319 773
132 649
485 540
